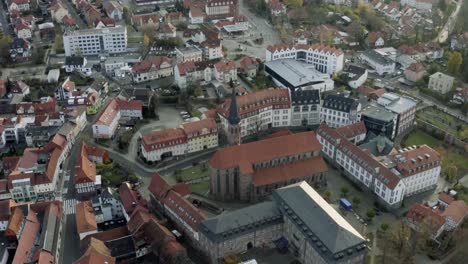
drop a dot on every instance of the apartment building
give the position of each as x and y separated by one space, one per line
95 41
390 178
188 138
107 122
338 111
188 54
190 73
225 71
152 69
403 106
252 171
440 82
326 59
218 9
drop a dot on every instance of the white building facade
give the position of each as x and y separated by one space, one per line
95 41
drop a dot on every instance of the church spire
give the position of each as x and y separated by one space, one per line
234 118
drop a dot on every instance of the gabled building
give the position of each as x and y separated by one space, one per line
403 106
86 179
85 219
77 64
114 10
20 88
152 69
66 90
20 50
18 5
440 82
131 200
339 111
225 71
415 72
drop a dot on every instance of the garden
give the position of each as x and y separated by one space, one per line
196 177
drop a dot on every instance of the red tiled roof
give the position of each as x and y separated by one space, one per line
457 211
96 253
318 47
416 67
27 239
85 217
43 257
193 129
352 130
374 36
129 104
420 213
111 234
196 12
15 222
248 61
360 156
68 20
130 198
282 132
143 19
416 158
446 198
290 171
225 66
152 63
96 152
181 188
163 138
277 98
6 209
68 85
85 169
109 114
245 155
184 209
158 187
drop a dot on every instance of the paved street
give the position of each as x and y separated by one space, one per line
448 27
71 9
5 28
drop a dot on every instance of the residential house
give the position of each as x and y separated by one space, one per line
20 50
66 90
225 71
132 109
218 9
355 76
131 199
461 95
58 11
22 29
152 69
189 73
188 54
86 179
47 31
107 206
96 252
175 18
107 122
249 66
166 30
85 219
196 15
277 8
20 88
77 64
151 20
114 10
381 64
376 39
19 5
415 72
440 82
96 154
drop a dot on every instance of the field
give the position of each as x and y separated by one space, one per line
201 187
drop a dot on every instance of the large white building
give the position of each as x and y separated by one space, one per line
378 62
326 59
391 178
298 75
95 41
188 138
272 108
403 106
152 69
440 82
338 111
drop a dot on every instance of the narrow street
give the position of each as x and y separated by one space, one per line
448 27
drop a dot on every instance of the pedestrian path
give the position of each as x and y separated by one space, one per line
70 206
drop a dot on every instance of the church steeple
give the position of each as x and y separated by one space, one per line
234 118
234 128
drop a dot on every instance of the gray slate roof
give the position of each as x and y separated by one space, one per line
305 206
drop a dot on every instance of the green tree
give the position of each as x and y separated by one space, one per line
384 227
356 202
370 214
327 195
399 238
293 3
344 191
454 62
198 91
356 31
126 15
58 44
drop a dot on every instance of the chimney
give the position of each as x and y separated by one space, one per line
133 204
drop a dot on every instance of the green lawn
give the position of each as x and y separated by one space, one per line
195 172
201 187
449 155
419 137
135 40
